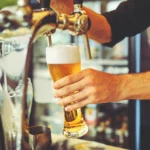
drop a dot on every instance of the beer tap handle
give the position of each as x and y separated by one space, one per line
78 2
45 5
77 5
85 36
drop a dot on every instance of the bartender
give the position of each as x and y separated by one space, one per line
95 87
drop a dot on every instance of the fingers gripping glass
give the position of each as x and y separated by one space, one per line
63 60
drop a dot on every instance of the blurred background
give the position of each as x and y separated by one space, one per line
108 123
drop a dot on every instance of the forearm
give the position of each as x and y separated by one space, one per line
100 30
126 20
135 86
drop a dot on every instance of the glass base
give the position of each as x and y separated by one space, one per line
75 132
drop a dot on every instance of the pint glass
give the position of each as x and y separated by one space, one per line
63 60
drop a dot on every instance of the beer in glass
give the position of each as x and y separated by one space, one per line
63 60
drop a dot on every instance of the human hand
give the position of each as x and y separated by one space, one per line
92 87
61 6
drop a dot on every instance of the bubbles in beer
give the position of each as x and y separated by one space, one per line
63 60
63 54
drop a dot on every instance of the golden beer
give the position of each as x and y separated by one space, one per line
64 60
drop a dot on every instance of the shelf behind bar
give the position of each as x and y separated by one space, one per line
111 62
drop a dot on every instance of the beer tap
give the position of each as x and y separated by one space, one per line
77 23
44 22
78 9
44 4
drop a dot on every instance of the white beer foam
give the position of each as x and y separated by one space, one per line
63 54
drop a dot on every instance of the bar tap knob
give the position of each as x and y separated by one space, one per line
78 9
45 5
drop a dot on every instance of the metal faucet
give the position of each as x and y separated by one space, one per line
38 23
25 21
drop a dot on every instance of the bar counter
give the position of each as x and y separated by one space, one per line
79 144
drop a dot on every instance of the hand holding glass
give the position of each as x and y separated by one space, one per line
63 60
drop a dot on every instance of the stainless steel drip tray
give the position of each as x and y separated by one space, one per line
62 143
